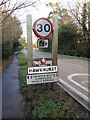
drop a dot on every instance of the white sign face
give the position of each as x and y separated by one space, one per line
42 78
46 69
42 43
43 28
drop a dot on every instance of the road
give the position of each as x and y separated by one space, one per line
73 76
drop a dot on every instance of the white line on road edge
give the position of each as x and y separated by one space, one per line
83 82
79 65
72 64
74 90
76 74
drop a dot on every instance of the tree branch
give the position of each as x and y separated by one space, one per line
3 2
20 6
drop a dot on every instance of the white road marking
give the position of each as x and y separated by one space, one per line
83 82
75 90
75 65
78 74
79 65
72 64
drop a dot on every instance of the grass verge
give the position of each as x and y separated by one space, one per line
50 109
22 72
81 58
49 104
54 105
22 59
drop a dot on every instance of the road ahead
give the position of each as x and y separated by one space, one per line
73 76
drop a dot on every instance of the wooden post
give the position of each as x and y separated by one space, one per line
55 47
29 41
1 63
55 41
29 51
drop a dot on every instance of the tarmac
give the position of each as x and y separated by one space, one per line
12 99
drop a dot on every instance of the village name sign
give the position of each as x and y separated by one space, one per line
42 28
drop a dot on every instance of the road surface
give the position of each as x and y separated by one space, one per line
73 76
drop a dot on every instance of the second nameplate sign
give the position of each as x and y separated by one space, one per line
37 75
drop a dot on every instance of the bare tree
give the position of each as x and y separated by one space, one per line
3 2
80 13
9 7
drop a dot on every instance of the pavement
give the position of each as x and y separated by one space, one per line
12 99
0 96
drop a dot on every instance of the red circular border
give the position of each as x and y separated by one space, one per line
34 28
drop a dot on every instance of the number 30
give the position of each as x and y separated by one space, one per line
40 27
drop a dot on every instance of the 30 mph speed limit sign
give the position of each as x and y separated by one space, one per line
42 27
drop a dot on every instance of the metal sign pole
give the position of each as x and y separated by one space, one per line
55 41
